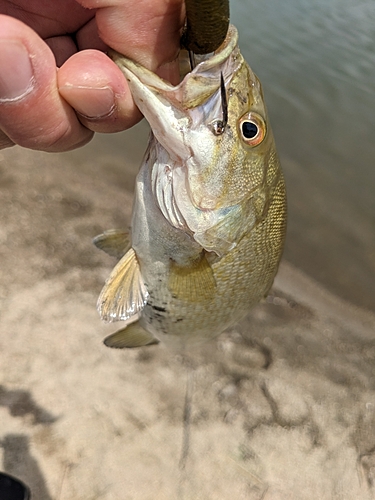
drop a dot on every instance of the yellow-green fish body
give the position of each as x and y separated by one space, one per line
209 214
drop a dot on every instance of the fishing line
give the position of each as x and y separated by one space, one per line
191 60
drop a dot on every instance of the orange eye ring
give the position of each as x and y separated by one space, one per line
252 128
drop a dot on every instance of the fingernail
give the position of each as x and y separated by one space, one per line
16 72
92 103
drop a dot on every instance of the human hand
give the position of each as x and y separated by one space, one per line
50 109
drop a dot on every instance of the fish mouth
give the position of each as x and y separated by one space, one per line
197 84
172 109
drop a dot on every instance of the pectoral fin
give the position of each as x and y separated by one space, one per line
124 293
114 242
131 336
225 234
194 283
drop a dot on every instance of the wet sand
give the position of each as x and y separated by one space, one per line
283 404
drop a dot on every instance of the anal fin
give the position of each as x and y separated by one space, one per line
132 335
124 293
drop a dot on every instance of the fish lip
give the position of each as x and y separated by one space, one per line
178 93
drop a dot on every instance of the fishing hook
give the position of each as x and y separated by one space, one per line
219 125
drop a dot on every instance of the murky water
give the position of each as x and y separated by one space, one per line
316 60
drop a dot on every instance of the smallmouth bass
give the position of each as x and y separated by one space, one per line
209 214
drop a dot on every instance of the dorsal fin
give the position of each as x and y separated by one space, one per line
124 293
132 335
115 242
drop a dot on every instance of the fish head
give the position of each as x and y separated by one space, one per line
213 167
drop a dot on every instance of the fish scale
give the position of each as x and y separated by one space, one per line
209 215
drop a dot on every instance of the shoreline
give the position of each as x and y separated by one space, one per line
283 398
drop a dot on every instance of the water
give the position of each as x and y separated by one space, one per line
316 60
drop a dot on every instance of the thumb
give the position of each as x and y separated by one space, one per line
32 112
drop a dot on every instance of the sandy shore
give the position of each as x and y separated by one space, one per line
283 404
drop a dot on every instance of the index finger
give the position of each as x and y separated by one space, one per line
147 31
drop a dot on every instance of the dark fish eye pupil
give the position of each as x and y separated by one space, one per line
249 130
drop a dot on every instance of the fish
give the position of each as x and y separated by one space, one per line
209 213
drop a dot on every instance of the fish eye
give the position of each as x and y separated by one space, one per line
252 129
